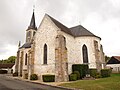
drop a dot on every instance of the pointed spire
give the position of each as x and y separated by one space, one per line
19 44
32 23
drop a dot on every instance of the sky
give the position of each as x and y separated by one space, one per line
101 17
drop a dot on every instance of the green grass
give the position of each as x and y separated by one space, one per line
110 83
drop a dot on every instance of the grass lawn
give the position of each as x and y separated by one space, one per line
110 83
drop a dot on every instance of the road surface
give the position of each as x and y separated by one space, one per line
7 83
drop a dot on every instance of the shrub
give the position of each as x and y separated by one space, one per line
3 71
98 76
78 74
72 77
93 72
81 68
15 74
48 78
26 76
33 77
105 73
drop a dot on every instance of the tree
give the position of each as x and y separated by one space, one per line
107 58
11 59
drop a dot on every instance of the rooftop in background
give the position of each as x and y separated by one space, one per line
9 65
114 60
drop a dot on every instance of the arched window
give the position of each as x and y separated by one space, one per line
45 54
96 45
85 54
26 59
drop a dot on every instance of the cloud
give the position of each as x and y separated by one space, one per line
107 29
102 17
8 50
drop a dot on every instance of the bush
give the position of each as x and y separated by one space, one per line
15 74
3 71
78 74
81 68
72 77
105 73
98 76
33 77
93 72
48 78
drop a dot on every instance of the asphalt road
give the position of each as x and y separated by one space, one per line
7 83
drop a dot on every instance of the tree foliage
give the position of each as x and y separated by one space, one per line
11 59
107 58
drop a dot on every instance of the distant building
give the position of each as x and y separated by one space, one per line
53 48
7 67
114 63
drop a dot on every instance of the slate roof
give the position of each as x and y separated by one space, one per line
9 65
76 31
26 45
117 57
80 31
61 26
32 23
114 60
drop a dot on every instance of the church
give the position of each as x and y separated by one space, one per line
53 48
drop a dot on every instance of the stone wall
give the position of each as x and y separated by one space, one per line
61 62
17 62
21 63
74 48
45 34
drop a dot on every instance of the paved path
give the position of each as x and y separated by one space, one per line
7 83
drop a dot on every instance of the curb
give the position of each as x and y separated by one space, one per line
66 88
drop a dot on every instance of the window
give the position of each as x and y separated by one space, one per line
26 59
34 33
29 34
45 54
96 45
85 54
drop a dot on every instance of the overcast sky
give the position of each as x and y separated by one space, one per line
101 17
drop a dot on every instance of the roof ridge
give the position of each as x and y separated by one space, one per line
82 27
75 31
60 25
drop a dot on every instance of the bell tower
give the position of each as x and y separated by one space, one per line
30 32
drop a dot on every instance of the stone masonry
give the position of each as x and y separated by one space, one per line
61 62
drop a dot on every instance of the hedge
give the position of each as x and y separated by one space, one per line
48 78
105 73
33 77
77 73
3 71
98 75
93 72
81 68
72 77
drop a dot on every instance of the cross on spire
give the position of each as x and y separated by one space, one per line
33 8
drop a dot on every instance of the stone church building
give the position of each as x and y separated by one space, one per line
53 48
